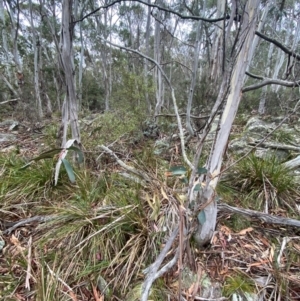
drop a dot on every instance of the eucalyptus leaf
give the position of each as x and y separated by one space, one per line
177 170
201 217
69 170
45 155
184 180
201 171
2 244
197 187
79 153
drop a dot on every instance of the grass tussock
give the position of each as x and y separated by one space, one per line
261 184
105 226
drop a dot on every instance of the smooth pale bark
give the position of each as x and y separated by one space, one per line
218 46
44 87
70 108
261 25
157 58
262 21
206 228
11 47
280 56
147 51
4 41
14 35
262 101
36 50
10 86
81 63
105 54
194 74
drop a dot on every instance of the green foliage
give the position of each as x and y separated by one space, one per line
238 283
102 226
28 184
283 136
261 180
182 173
92 93
131 91
110 126
237 222
61 154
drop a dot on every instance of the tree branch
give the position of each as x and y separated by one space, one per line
15 225
182 114
125 166
279 45
151 5
6 101
152 271
269 81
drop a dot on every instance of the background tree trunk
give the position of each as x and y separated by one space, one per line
199 34
37 70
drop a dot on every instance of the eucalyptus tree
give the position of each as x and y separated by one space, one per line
70 105
199 34
229 97
36 41
10 21
147 52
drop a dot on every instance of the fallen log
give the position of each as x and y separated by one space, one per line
266 218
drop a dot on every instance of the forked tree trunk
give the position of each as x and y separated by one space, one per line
207 225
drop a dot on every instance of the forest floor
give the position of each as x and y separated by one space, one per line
91 240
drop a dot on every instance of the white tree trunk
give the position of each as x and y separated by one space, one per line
261 25
157 58
147 51
81 63
217 50
36 50
4 40
70 108
14 37
194 74
280 57
262 101
207 227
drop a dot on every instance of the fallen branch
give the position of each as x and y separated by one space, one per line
267 218
70 291
276 146
125 166
29 261
40 219
182 114
292 164
11 100
152 271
